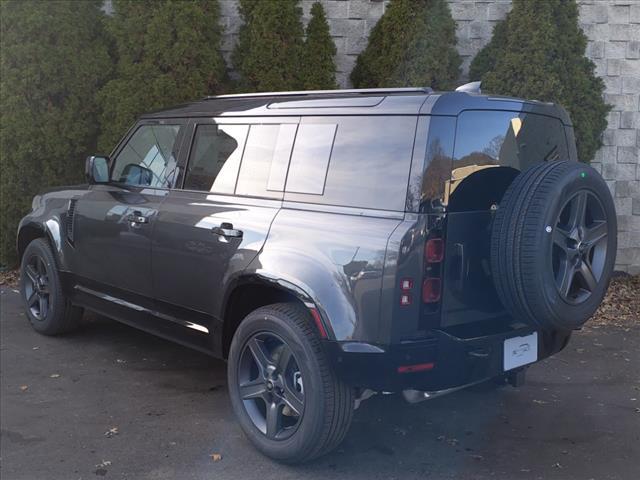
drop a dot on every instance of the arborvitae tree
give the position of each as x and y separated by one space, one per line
168 52
319 69
53 59
486 58
241 50
539 53
269 52
413 44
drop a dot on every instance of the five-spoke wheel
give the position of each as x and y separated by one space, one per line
579 246
36 287
271 385
287 398
46 306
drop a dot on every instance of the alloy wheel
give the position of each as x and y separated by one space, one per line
271 386
579 247
36 287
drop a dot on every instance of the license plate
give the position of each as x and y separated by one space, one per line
520 351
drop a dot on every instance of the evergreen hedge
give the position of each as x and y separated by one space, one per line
168 52
413 44
318 66
53 59
269 53
538 53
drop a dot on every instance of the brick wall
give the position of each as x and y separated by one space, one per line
613 29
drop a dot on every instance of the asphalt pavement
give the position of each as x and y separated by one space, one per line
112 402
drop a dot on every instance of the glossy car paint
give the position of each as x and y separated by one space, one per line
172 276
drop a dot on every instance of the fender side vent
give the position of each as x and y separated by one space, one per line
69 220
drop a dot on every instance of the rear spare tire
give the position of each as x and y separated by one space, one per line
553 245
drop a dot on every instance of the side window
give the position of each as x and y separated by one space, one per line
265 160
215 158
149 158
352 161
310 159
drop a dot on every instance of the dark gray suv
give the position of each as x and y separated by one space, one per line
330 245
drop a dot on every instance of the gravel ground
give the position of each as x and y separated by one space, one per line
112 402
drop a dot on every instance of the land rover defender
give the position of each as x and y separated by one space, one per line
330 245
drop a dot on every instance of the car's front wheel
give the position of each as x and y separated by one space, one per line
287 399
47 309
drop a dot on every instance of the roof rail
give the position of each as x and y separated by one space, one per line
351 91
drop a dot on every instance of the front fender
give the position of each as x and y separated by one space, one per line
47 220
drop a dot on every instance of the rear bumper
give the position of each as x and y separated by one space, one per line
456 361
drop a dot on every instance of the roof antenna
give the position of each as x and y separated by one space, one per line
471 87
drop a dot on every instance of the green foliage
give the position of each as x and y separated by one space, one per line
485 60
413 44
53 59
168 52
268 56
539 53
318 67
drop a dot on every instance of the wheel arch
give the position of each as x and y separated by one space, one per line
251 292
31 231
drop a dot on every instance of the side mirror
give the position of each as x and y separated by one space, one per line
134 174
96 169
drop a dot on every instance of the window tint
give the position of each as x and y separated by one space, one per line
265 160
215 157
308 169
509 139
149 158
512 141
368 164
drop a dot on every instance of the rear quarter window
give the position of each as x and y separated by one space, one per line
352 161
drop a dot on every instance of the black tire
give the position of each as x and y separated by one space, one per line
553 245
46 307
327 403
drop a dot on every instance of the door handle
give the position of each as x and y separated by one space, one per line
137 217
226 230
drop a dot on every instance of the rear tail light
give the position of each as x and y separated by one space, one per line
431 290
406 284
434 250
405 299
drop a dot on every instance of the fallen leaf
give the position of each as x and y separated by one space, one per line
216 457
24 387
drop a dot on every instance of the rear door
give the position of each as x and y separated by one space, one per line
491 148
208 231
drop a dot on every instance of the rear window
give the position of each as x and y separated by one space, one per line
508 139
352 161
511 141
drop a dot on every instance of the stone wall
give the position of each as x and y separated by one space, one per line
613 29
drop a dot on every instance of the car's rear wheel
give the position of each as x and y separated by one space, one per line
287 399
46 307
553 245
